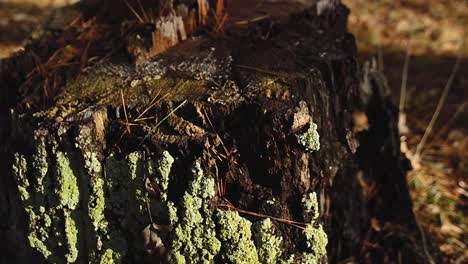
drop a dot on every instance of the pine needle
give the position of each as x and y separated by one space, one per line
228 205
441 102
404 75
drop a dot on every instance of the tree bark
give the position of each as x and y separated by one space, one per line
264 145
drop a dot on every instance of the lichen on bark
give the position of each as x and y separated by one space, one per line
236 237
316 238
268 243
94 190
194 238
310 139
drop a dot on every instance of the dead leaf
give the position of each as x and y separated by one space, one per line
448 228
361 123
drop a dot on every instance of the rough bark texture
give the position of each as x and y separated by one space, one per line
275 119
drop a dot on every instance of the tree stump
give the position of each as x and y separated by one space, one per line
267 144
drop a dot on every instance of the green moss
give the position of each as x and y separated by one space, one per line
310 139
268 244
90 85
266 85
236 238
102 85
179 89
68 194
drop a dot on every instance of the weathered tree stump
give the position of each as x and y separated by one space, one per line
266 144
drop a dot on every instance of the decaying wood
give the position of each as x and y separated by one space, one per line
166 30
268 114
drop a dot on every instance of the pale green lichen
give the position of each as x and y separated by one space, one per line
268 244
172 213
68 191
135 164
116 183
20 168
38 233
271 201
96 203
317 241
78 210
236 238
202 186
107 201
316 238
71 235
39 222
69 197
39 162
115 247
108 257
176 257
125 203
194 236
310 140
163 169
52 228
111 255
96 226
310 206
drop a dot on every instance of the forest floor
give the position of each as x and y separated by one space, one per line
439 181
